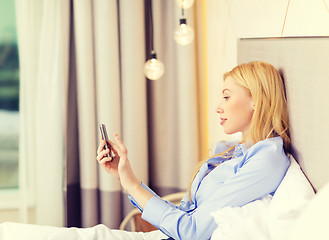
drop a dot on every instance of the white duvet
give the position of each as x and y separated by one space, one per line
17 231
248 222
234 224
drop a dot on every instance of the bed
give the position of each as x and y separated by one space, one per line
298 209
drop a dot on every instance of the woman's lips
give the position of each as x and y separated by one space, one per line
222 120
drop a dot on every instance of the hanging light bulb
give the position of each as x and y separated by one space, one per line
153 68
185 3
183 35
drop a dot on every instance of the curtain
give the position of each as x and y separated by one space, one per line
110 89
174 143
42 29
82 65
201 30
156 119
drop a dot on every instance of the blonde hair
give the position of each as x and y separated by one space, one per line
270 118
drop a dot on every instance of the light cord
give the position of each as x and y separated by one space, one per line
285 18
324 2
151 26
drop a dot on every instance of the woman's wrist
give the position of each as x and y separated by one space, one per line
141 195
132 187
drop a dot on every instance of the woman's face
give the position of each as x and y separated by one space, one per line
235 108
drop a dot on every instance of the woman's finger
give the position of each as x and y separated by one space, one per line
105 160
101 146
101 155
117 138
120 143
115 148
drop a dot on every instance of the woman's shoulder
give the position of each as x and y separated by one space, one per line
269 150
268 145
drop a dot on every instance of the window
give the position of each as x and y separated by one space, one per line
9 97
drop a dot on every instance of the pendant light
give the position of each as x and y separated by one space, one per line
183 34
153 67
185 3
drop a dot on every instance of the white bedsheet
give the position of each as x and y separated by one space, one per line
18 231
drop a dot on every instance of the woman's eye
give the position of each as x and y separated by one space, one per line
226 98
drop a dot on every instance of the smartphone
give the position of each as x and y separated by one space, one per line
103 131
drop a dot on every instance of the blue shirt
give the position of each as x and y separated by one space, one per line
251 174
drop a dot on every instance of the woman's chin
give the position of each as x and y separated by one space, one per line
229 132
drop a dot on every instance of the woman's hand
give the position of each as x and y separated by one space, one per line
120 168
118 165
110 164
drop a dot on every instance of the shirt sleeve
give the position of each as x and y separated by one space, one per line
260 175
134 202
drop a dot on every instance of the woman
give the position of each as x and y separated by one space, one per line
253 102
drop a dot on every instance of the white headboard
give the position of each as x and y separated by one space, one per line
304 63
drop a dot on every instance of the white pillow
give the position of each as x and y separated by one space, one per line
313 222
246 222
289 201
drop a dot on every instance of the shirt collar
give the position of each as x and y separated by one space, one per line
241 148
216 160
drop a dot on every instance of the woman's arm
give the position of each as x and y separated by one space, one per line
263 169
